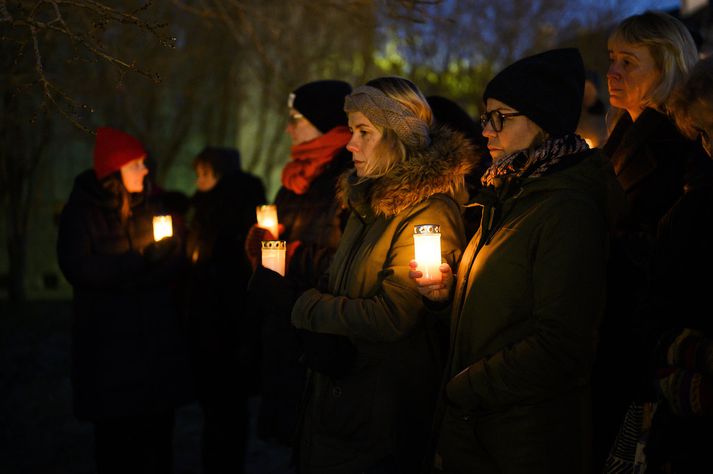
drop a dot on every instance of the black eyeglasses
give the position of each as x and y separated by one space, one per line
703 134
496 119
292 119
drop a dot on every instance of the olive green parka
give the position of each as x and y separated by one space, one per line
380 413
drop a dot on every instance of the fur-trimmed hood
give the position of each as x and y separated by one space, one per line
439 168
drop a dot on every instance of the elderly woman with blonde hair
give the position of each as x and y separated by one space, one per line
650 55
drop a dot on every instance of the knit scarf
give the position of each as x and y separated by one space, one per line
535 161
308 159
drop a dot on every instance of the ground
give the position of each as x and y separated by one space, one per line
39 434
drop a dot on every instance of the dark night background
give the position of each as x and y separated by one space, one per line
180 75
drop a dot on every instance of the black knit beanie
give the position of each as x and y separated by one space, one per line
322 103
547 88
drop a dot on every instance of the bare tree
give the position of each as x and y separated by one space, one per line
43 44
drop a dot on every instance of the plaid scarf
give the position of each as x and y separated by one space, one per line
535 161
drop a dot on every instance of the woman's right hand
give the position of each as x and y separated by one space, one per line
439 291
253 247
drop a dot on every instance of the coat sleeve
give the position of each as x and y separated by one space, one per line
81 265
568 281
397 307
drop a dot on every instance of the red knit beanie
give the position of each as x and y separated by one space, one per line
113 149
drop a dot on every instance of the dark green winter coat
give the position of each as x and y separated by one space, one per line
381 411
530 292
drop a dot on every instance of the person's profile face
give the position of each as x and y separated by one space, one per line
132 175
631 76
362 145
205 177
300 129
510 132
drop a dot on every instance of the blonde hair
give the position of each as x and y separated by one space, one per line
692 102
671 46
391 150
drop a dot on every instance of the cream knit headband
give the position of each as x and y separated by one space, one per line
388 113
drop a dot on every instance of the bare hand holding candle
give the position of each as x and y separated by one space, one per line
273 255
427 247
162 227
267 218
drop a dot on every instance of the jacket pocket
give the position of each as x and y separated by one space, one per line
348 405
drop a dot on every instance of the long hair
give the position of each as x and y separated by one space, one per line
391 150
671 46
692 102
122 198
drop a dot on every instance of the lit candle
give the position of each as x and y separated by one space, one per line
162 227
427 246
273 255
267 218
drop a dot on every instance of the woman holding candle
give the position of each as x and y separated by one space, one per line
221 213
375 415
311 221
130 367
529 290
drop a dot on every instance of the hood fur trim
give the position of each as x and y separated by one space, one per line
438 168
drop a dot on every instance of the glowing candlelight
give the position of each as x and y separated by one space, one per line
267 218
427 246
162 227
273 255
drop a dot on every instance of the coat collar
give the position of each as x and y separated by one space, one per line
439 168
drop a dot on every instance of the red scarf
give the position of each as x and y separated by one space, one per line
307 160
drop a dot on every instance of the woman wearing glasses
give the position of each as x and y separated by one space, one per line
311 222
529 289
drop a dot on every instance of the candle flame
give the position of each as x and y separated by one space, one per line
162 227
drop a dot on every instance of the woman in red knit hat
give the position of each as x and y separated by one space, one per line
129 362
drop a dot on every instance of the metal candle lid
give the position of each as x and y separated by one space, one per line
274 244
427 229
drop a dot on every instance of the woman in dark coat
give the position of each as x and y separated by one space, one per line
130 367
530 286
311 221
675 434
650 54
221 213
373 414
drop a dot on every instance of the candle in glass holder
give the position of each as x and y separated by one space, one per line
162 227
267 218
273 255
427 246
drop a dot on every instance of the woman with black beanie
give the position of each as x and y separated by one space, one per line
529 290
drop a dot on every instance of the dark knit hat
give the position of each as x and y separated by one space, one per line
547 88
113 149
322 103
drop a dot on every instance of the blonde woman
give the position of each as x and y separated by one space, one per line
650 54
375 414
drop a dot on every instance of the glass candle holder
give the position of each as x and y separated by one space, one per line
267 218
273 255
162 227
427 249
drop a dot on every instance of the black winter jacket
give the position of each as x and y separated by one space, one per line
128 353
